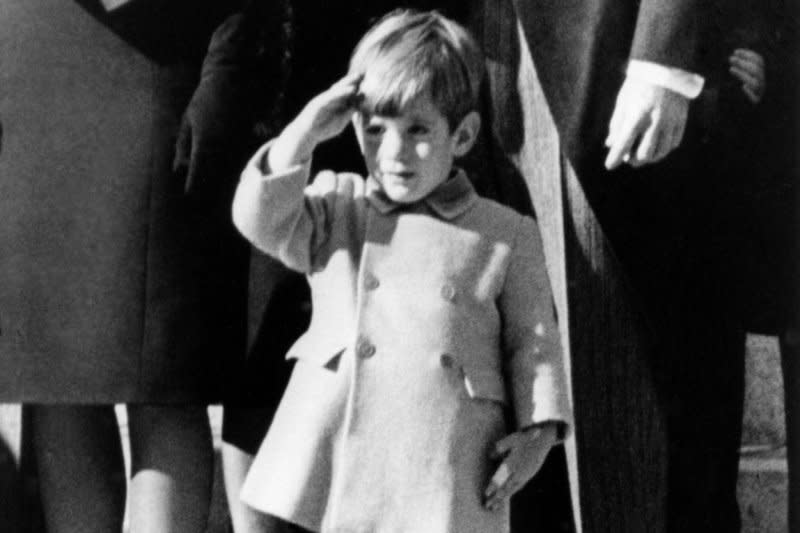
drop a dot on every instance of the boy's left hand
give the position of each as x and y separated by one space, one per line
523 453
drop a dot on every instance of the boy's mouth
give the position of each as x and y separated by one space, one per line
399 173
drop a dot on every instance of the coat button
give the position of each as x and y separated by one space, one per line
447 361
371 282
448 293
365 349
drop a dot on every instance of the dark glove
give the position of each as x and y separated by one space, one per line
216 133
243 74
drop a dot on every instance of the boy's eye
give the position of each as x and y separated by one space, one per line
418 129
373 129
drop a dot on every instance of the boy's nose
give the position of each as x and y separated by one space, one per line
392 146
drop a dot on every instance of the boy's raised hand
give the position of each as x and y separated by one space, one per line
328 113
748 67
323 118
523 453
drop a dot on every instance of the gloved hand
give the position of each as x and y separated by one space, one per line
216 133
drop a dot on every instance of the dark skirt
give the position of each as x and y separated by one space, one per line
115 286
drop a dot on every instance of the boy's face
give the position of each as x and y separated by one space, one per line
411 154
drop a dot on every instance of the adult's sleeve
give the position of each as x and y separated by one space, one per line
668 33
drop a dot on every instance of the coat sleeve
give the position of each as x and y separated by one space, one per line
668 33
534 364
282 216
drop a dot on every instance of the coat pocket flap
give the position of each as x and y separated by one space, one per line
485 385
313 349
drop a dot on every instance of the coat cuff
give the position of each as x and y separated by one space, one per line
563 429
549 401
258 166
685 83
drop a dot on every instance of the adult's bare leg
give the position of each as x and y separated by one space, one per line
171 468
81 468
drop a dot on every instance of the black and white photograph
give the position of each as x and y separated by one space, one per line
415 266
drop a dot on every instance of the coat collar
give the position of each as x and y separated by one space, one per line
450 199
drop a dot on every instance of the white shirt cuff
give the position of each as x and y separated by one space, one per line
681 81
111 5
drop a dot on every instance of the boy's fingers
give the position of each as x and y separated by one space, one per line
341 98
349 79
499 497
502 447
501 475
498 481
346 86
355 99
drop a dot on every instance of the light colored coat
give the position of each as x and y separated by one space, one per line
429 321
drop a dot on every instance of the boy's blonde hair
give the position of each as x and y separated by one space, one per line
410 53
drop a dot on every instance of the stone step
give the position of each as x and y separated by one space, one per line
763 422
762 490
762 485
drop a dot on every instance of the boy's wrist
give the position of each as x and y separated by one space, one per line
294 146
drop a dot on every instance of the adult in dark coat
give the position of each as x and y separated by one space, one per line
123 280
656 349
762 157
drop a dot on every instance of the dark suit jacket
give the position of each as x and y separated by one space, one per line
581 50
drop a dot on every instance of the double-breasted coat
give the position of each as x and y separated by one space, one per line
428 321
119 280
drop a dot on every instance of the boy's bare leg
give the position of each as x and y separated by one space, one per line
235 465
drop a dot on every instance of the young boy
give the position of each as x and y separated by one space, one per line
432 317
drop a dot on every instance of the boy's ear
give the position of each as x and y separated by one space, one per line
466 133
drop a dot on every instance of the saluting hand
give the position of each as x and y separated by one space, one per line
328 113
523 454
323 118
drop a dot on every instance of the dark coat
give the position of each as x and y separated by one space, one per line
120 280
656 353
760 145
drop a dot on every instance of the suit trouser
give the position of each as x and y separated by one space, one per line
675 227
